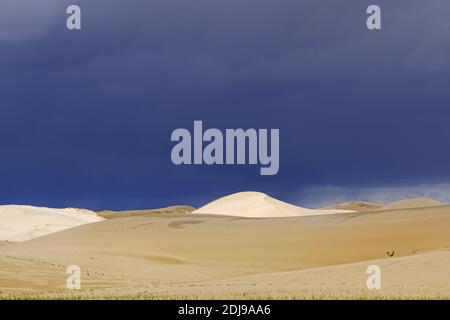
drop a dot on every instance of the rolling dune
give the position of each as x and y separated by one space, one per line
173 254
258 205
358 206
412 203
110 214
21 223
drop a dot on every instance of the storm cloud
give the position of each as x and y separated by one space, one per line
86 116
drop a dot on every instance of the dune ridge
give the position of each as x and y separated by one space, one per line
111 214
359 206
412 203
258 205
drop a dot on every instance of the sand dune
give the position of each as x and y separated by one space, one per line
21 223
258 205
5 243
358 206
401 279
171 254
412 203
110 214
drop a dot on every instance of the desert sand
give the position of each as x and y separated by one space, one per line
5 243
21 223
412 203
258 205
217 256
111 214
358 206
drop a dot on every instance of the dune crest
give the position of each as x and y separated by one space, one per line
358 206
21 223
177 209
412 203
258 205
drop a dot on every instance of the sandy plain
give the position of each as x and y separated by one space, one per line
179 255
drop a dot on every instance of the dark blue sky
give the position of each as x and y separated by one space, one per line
86 116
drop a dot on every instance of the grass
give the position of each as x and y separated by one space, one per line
221 296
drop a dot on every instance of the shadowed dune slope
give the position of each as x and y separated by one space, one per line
412 203
358 206
5 243
110 214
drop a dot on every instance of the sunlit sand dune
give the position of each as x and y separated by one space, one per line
358 206
258 205
21 223
216 255
412 203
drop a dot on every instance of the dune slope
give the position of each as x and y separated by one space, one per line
21 223
412 203
110 214
169 253
258 205
358 206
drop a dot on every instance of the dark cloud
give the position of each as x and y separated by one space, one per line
86 117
